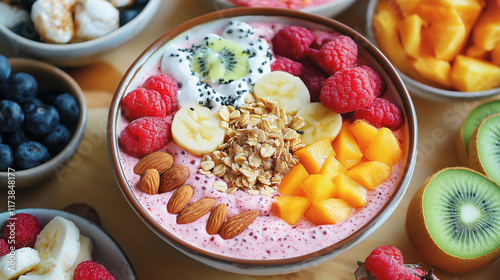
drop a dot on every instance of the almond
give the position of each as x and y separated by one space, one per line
150 181
216 219
180 199
160 161
195 210
173 178
237 224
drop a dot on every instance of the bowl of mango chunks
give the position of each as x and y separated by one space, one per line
444 50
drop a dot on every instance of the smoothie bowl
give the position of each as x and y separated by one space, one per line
237 163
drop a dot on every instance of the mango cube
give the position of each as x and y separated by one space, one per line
486 32
292 208
410 31
313 156
384 147
332 168
349 190
290 183
495 55
468 10
346 148
329 211
369 174
317 187
434 70
363 132
470 74
477 52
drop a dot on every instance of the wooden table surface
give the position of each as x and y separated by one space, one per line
88 177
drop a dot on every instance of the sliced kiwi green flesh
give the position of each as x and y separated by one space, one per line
461 210
475 117
220 60
488 147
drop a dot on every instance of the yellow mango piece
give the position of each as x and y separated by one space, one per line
408 7
292 208
317 187
495 55
477 52
313 156
332 168
290 183
486 33
363 132
384 147
468 10
329 211
410 32
470 74
369 174
351 191
434 70
346 148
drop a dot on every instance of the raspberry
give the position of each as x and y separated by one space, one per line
24 228
381 113
378 84
347 90
143 102
287 65
4 248
89 270
385 262
145 135
322 39
166 86
292 42
338 54
314 78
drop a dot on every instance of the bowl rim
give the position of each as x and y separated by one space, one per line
68 151
453 95
244 264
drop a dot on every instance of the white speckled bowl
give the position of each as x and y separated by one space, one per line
149 59
106 250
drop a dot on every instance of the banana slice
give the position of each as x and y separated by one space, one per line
18 263
60 240
47 269
287 90
196 129
320 122
85 254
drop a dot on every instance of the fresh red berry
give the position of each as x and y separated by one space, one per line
381 113
23 228
287 65
143 102
292 42
385 262
338 54
4 247
314 78
378 85
166 86
347 90
322 39
89 270
145 135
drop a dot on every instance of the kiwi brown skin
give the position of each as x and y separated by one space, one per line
428 250
474 160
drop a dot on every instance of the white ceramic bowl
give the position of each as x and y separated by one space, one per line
49 77
106 250
149 59
75 54
422 89
329 9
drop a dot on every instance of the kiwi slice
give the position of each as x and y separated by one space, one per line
220 60
484 150
470 124
454 220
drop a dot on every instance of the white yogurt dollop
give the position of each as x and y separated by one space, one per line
176 62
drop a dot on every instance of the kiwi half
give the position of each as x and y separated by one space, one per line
454 220
470 124
484 148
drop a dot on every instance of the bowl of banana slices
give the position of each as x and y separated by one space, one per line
226 139
40 243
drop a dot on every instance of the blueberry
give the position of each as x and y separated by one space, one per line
41 120
11 116
20 87
32 104
27 30
127 15
4 69
57 139
6 157
141 2
30 154
48 96
68 108
16 138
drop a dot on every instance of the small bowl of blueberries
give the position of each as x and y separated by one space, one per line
72 33
43 113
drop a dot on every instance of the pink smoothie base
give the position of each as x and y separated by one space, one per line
287 4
